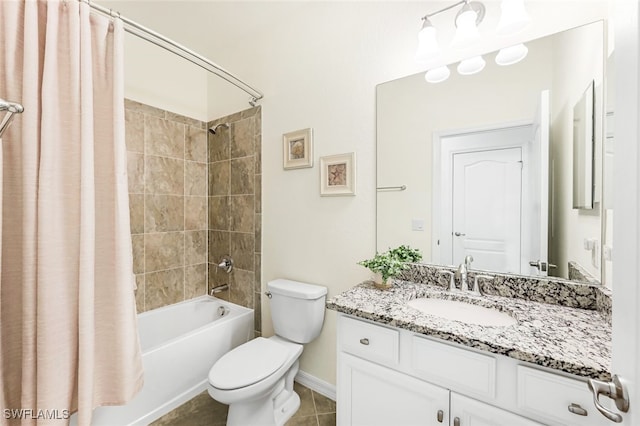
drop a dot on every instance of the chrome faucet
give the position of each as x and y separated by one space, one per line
461 274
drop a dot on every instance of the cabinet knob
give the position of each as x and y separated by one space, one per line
577 409
440 416
456 421
364 341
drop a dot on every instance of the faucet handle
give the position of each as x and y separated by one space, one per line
476 286
452 282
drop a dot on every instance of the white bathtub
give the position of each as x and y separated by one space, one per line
179 343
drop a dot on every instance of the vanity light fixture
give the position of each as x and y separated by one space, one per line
513 18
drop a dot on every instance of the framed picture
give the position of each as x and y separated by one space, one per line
338 174
297 149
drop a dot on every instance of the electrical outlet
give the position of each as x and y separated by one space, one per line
417 224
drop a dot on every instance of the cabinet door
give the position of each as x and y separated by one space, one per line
370 395
469 412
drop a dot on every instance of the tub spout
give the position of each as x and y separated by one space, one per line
219 289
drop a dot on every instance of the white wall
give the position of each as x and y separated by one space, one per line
573 70
318 64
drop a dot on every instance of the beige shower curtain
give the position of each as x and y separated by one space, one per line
68 332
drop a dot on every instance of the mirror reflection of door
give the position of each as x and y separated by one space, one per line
494 192
486 209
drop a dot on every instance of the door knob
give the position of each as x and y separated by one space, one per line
458 234
440 416
542 266
614 390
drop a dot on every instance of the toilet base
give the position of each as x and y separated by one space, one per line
272 409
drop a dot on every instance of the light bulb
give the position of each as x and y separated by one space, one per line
511 55
437 75
471 65
467 31
427 42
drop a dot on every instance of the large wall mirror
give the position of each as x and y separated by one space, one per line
483 164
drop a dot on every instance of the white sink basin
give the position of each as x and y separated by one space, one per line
464 312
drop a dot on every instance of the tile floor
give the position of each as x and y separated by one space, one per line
315 410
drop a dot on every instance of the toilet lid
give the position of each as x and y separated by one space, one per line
247 364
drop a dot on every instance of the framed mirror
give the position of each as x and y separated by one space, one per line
483 164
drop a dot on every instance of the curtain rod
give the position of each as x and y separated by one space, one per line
165 43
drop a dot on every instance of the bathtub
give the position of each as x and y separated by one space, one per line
180 343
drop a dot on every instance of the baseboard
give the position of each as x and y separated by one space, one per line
316 385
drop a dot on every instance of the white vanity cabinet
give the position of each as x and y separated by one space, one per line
389 376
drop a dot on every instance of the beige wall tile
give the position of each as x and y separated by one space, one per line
218 277
172 116
257 314
137 243
195 247
143 108
242 135
163 250
163 213
134 131
135 172
258 193
195 213
163 288
242 176
219 245
136 213
242 288
195 178
219 178
257 269
195 281
241 248
219 213
164 175
219 145
241 213
258 233
163 137
195 144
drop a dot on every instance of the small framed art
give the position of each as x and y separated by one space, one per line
297 149
338 174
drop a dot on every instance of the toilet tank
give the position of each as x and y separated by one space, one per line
297 309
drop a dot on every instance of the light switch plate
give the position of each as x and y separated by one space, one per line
417 224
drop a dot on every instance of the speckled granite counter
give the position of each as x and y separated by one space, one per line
576 341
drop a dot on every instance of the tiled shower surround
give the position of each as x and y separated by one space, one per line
169 188
235 207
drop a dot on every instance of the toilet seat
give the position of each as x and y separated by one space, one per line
248 364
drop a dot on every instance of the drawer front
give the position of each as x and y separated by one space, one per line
458 369
548 397
373 342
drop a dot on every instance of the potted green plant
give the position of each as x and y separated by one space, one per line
406 254
390 263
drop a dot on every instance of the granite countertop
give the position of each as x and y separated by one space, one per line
576 341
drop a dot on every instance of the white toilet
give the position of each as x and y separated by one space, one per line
256 379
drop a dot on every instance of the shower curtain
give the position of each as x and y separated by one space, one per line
68 331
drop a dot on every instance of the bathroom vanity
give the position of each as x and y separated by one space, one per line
399 365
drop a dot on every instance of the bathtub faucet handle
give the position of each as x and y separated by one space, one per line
226 264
